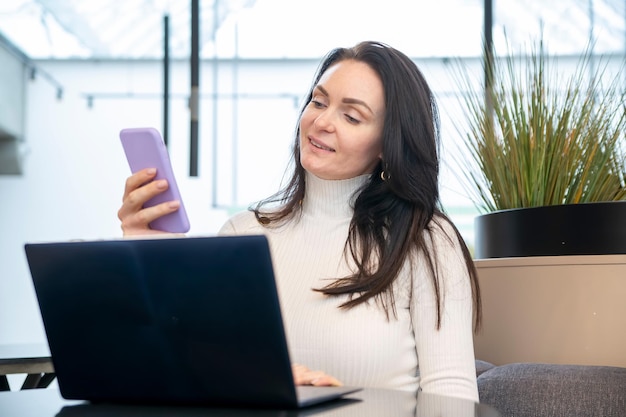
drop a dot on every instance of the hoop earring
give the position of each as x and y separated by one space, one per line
383 176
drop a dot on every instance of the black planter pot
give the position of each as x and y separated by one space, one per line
570 229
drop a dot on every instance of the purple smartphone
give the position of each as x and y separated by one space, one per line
144 148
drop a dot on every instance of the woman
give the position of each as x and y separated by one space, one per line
377 286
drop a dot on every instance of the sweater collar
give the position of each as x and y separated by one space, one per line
333 198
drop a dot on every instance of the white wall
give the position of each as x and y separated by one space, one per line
75 168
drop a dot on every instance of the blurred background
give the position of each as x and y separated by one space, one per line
74 73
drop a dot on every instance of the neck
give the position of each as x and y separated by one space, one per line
333 198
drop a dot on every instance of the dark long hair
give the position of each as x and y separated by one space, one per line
395 211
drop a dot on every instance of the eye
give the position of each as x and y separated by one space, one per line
317 103
351 119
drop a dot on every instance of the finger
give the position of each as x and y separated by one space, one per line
326 381
139 222
135 219
138 179
304 376
299 373
136 199
137 192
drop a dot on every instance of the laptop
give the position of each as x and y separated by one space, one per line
193 321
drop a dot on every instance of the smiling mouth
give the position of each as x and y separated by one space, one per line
320 146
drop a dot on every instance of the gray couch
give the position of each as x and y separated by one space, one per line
547 390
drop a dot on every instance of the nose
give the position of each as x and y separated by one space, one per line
324 121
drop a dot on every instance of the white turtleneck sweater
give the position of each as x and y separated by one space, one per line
360 346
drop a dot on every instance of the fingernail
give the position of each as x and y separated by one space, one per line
151 171
174 204
161 184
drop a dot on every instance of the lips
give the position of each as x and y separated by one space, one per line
320 145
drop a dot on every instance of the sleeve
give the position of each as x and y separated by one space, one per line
445 355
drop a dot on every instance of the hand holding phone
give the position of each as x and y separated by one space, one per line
144 148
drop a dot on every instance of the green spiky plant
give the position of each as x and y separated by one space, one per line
538 138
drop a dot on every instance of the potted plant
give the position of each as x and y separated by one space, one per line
545 157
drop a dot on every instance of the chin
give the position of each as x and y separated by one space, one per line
319 174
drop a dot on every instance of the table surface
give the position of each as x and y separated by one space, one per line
367 403
25 358
23 351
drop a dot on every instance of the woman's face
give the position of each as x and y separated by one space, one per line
341 127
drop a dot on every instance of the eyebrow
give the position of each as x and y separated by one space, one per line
347 100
